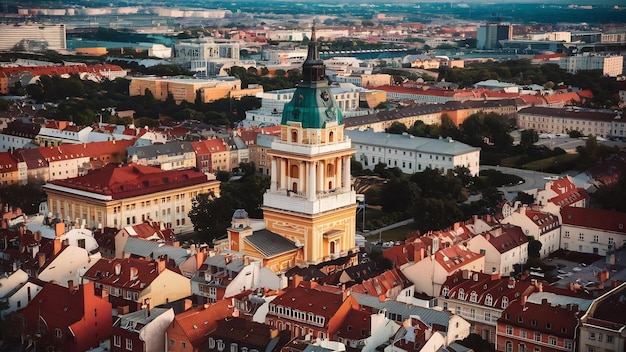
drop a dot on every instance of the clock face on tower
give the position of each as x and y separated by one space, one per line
330 114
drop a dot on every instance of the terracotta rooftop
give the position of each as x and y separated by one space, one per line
132 180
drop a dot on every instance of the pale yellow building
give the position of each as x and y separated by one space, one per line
118 196
187 88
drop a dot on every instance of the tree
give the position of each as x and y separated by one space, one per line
396 128
528 137
211 215
534 247
525 198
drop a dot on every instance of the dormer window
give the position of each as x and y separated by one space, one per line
488 300
461 294
445 291
505 302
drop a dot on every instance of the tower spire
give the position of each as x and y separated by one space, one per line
313 69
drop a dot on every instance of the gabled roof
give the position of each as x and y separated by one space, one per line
8 163
198 322
356 326
455 257
511 237
382 283
593 218
314 299
269 243
545 318
249 333
130 273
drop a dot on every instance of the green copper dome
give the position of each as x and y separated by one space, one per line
313 107
312 104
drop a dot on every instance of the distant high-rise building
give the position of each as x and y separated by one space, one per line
29 37
490 35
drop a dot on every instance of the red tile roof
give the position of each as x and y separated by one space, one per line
198 322
607 220
132 180
356 326
511 237
8 163
455 257
311 299
120 273
556 321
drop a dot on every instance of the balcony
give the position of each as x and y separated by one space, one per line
311 149
295 201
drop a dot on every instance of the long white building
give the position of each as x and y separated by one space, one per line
33 36
412 154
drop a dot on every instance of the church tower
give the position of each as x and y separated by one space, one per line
310 200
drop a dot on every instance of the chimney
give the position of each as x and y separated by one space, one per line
200 258
146 307
118 268
59 229
246 260
523 299
121 310
41 259
57 246
161 264
104 294
187 304
511 282
295 281
134 273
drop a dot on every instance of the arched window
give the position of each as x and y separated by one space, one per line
445 291
505 302
294 136
331 137
330 170
473 297
461 293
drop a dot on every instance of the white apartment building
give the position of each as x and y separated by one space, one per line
602 123
412 154
49 36
274 57
591 230
611 65
544 227
553 36
196 54
503 248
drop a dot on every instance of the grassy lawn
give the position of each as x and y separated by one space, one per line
548 163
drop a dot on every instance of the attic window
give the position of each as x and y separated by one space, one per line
620 226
